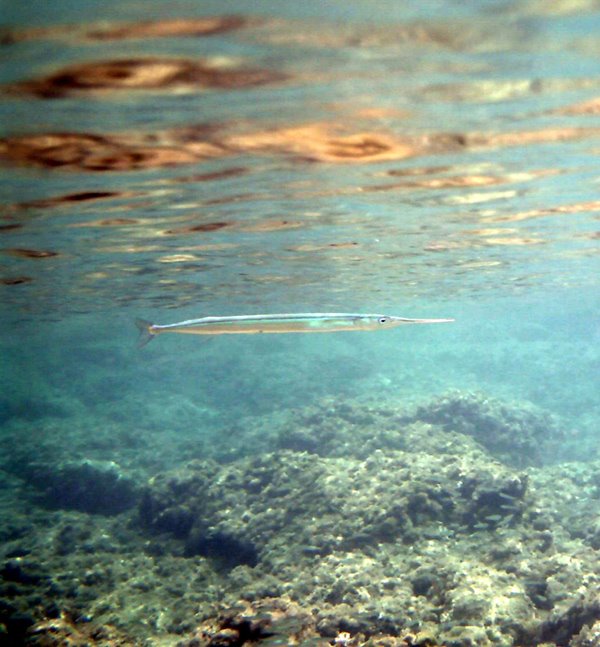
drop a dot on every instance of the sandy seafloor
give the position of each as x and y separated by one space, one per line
427 485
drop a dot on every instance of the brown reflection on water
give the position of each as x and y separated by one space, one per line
81 151
206 26
176 27
483 240
262 226
512 241
418 170
229 199
590 107
582 207
15 280
4 229
71 199
108 222
318 142
200 228
271 225
497 236
29 253
308 247
224 174
323 142
155 73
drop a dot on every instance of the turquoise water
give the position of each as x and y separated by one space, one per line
176 160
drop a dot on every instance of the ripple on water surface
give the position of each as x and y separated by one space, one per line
245 153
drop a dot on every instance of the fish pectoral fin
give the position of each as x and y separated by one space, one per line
146 334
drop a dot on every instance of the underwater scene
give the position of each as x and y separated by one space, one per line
179 180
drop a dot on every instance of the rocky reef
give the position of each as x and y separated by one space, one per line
516 433
343 523
454 544
295 504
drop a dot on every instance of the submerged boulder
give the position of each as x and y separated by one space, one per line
97 487
518 434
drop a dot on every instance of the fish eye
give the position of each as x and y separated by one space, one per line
383 320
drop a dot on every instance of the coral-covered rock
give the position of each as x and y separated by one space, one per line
516 433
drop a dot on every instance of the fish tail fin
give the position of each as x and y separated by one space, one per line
146 334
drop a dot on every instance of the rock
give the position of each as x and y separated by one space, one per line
317 505
22 572
518 434
97 487
562 627
589 636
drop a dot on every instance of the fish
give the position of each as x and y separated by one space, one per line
304 322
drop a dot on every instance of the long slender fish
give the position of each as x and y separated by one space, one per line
278 323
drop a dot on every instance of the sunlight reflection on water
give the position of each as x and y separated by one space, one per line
258 158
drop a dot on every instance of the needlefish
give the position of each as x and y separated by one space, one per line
303 322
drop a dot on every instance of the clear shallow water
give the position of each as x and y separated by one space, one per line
426 161
412 163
